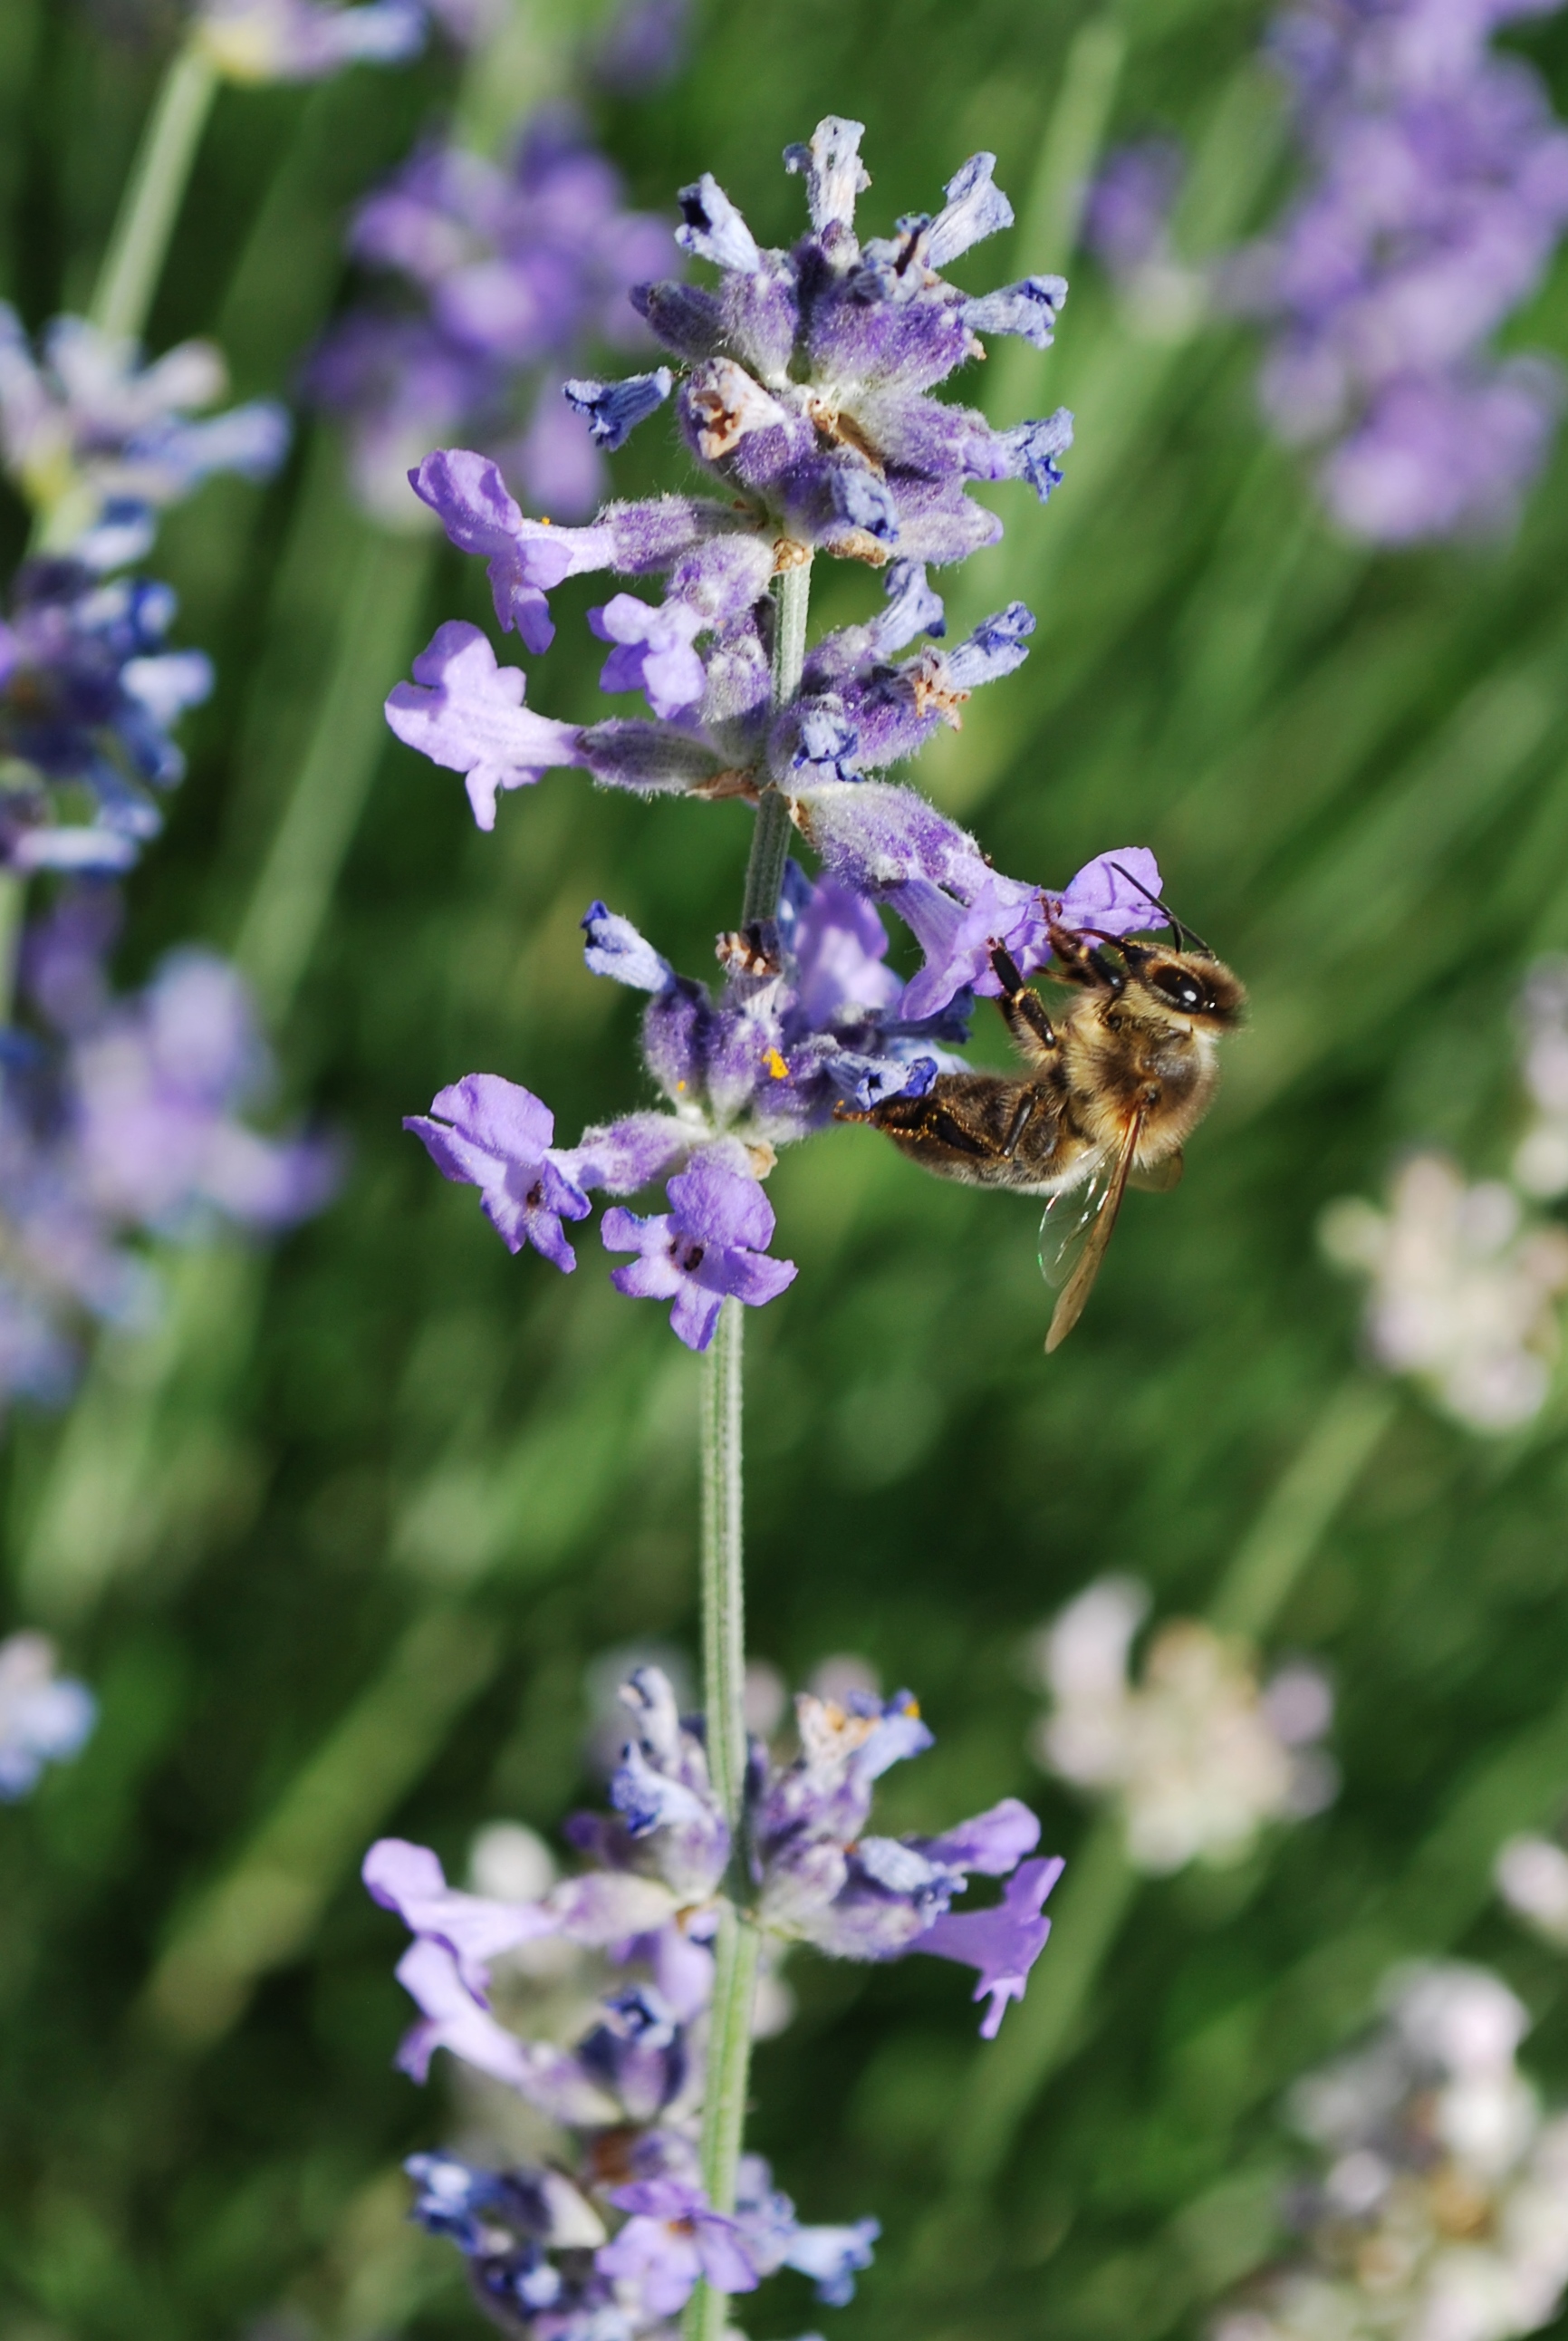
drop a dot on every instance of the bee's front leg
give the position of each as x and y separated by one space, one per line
1078 962
1023 1010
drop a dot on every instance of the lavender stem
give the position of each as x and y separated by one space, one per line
139 240
771 838
738 1943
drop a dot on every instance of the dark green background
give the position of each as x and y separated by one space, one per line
1354 772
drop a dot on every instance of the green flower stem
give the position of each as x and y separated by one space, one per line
771 838
139 239
1100 1884
739 1942
1291 1525
12 904
723 1586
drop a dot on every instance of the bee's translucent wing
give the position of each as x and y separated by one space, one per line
1081 1252
1068 1218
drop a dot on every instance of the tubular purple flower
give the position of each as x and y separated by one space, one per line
303 40
653 652
710 1246
613 410
465 712
1003 1943
493 1134
674 2236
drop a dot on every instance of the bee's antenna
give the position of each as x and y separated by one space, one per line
1177 929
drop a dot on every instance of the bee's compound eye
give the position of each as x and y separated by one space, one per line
1179 988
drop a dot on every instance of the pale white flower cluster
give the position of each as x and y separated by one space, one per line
1466 1280
1197 1756
44 1717
1442 2210
1532 1876
1464 1284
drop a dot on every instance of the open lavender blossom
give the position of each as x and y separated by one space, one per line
88 427
89 696
1437 196
514 276
44 1717
814 1874
305 40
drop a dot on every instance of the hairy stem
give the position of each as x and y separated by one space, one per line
150 205
723 1590
738 1943
771 838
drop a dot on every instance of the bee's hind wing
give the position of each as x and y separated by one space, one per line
1083 1247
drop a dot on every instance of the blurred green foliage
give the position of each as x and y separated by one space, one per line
338 1553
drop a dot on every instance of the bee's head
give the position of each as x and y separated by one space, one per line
1191 985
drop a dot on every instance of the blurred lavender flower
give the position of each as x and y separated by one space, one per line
1128 228
304 40
643 47
119 1118
88 698
1197 1756
815 1876
88 429
44 1719
1439 194
1464 1290
627 2231
517 275
1441 2207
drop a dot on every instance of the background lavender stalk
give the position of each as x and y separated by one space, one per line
93 1518
139 241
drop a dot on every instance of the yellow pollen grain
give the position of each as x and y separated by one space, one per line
776 1065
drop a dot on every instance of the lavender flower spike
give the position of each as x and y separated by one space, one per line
1003 1943
44 1719
304 40
495 1135
710 1246
465 712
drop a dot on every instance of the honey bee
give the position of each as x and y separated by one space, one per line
1113 1090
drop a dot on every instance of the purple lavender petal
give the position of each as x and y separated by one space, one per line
1028 308
613 410
614 948
408 1879
622 1156
833 171
465 712
493 1134
1118 892
714 229
525 558
549 2077
975 208
1002 1944
833 2257
1031 450
654 652
993 1843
